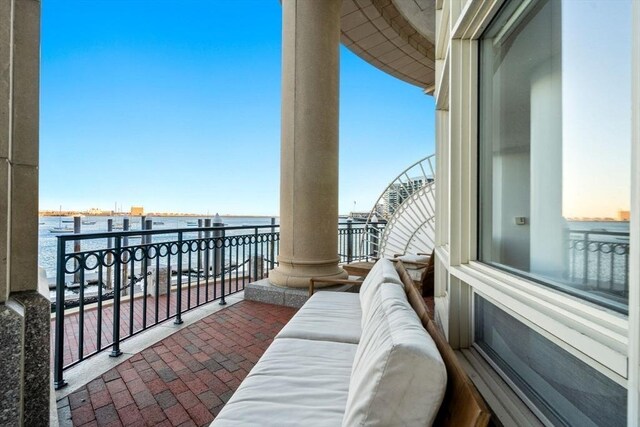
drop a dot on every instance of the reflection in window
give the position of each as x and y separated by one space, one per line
564 389
555 132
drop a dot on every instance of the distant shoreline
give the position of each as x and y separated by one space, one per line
596 220
151 214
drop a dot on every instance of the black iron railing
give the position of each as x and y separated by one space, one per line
599 260
113 285
352 245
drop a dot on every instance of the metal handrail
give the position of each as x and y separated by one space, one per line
131 279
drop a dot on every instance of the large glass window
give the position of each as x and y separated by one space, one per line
564 389
555 138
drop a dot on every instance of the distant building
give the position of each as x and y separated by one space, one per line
398 193
98 211
137 211
623 215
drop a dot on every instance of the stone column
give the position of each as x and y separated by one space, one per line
24 313
309 157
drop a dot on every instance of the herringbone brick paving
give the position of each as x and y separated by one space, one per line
185 379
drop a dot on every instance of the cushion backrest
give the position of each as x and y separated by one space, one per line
398 377
382 272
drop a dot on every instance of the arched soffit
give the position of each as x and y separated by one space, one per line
394 36
421 14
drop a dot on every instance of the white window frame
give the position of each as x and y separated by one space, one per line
602 338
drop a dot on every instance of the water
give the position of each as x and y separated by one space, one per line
612 226
47 241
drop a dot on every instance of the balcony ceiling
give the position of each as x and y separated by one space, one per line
396 36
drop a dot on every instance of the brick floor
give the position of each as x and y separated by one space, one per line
192 295
186 378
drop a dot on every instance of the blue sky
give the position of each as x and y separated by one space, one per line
175 105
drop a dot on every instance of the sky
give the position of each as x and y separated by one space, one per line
174 105
596 109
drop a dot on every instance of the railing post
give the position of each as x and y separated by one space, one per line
200 254
58 363
146 240
115 352
255 255
77 229
207 252
125 265
218 254
349 240
585 259
109 256
178 320
222 265
272 252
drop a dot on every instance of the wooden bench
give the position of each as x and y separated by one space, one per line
462 404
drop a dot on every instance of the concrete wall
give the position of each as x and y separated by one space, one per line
24 313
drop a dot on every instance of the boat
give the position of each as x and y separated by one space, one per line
158 223
68 221
88 223
192 223
61 230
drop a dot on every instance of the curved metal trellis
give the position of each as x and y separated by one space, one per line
408 206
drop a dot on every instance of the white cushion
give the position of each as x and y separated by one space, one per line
295 383
409 259
382 272
398 376
328 316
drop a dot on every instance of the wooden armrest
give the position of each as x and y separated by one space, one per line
422 264
314 280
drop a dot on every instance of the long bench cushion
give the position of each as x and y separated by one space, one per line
295 383
383 272
327 316
398 375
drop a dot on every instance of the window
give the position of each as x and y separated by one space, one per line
563 388
555 139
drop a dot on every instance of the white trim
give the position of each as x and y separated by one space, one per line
509 26
442 87
442 30
456 96
555 300
472 150
503 401
499 373
589 341
600 337
475 17
633 400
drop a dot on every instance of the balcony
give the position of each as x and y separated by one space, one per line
184 379
151 327
112 286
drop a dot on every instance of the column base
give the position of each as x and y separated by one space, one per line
24 333
293 275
